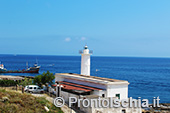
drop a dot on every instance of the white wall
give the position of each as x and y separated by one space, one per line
99 92
57 78
112 90
94 109
66 96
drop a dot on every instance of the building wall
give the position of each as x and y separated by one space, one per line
66 96
112 90
94 109
98 92
57 78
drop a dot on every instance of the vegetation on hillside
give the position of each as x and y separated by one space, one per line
14 102
43 79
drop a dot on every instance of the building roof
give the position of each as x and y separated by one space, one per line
99 80
80 86
68 87
76 88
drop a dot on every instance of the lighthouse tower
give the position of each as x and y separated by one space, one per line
85 61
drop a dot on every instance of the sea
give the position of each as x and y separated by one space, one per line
148 77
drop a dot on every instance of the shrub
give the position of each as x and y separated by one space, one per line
5 83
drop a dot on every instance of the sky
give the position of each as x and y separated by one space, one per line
137 28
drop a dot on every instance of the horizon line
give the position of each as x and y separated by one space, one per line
91 55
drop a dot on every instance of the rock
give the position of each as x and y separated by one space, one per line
4 99
46 108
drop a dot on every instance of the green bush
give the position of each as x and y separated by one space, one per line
5 83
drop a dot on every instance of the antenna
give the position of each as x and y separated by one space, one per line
27 65
36 61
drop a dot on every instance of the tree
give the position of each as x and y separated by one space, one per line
44 78
26 81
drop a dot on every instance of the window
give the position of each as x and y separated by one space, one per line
35 88
103 95
118 95
30 87
123 111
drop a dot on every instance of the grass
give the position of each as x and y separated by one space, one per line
14 102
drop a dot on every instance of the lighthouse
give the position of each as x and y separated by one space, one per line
85 61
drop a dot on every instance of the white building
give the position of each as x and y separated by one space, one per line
85 86
103 87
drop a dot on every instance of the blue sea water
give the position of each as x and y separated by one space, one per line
148 77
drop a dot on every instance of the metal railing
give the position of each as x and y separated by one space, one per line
81 52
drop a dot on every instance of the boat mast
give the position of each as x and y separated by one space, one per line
36 61
27 65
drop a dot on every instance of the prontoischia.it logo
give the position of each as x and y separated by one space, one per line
107 102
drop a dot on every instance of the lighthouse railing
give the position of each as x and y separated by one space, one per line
80 52
91 52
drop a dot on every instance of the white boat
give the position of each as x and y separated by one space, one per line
2 69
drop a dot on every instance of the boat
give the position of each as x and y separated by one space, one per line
2 68
34 69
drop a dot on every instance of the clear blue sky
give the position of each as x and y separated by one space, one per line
63 27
